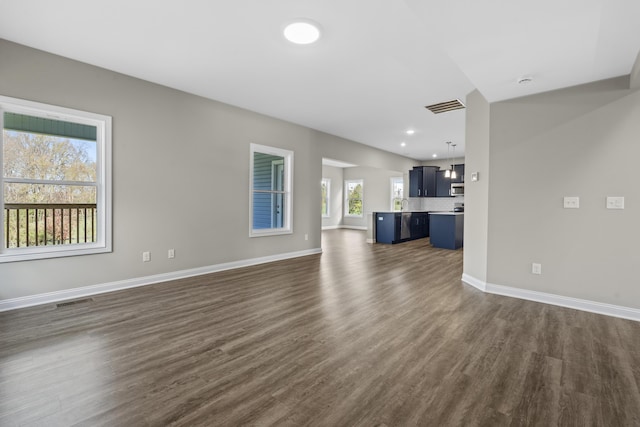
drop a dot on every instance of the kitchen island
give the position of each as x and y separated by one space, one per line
446 229
397 227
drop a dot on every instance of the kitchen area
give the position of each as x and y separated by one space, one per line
434 209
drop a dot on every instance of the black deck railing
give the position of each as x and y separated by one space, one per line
41 224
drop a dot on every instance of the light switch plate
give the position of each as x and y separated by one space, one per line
474 176
615 202
571 202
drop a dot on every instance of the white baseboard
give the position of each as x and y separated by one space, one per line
67 294
350 227
553 299
330 227
478 284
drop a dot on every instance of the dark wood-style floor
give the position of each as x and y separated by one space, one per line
362 335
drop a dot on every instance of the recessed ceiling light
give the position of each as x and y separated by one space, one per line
411 132
302 31
434 155
403 144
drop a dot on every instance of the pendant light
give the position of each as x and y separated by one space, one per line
453 171
447 172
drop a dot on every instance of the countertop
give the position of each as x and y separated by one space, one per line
400 212
446 213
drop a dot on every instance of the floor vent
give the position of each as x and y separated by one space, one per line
74 302
443 107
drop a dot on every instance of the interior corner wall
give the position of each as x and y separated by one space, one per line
476 195
336 175
336 148
634 78
580 141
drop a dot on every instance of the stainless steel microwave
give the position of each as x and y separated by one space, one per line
457 189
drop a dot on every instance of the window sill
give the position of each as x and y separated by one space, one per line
270 232
15 255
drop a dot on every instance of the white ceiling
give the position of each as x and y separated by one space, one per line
378 63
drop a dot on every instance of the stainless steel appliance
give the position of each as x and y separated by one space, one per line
405 227
457 189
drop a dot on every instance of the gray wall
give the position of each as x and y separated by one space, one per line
579 141
634 78
180 174
335 196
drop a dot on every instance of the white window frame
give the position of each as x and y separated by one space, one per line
287 228
393 180
346 197
103 180
327 184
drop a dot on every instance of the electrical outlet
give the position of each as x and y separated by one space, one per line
171 253
306 237
615 202
146 256
536 268
571 202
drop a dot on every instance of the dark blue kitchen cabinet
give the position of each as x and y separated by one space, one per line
415 182
443 184
446 230
388 226
422 181
459 173
396 227
419 225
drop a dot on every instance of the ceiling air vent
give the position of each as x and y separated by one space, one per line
443 107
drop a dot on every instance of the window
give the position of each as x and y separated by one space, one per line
271 174
397 192
353 198
56 172
326 193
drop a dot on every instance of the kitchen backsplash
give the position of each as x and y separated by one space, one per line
433 203
415 204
